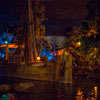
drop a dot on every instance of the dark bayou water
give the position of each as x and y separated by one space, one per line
79 90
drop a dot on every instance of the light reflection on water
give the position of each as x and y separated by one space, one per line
91 95
79 94
79 90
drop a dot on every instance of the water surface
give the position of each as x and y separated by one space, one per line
79 90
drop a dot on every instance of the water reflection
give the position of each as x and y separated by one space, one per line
95 91
60 95
79 90
8 96
79 94
88 94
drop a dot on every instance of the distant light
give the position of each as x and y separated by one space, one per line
78 44
66 53
2 55
59 52
38 58
6 42
95 49
50 58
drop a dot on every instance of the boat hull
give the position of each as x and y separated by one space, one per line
36 71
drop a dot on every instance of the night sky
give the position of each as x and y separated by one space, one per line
61 14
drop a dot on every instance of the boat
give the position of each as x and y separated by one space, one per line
25 62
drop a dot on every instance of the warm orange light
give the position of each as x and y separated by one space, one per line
95 49
95 91
78 44
59 52
38 58
89 34
66 53
12 45
79 95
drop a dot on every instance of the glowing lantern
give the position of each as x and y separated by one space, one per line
38 58
78 44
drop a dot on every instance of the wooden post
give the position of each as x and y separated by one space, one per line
58 67
67 64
